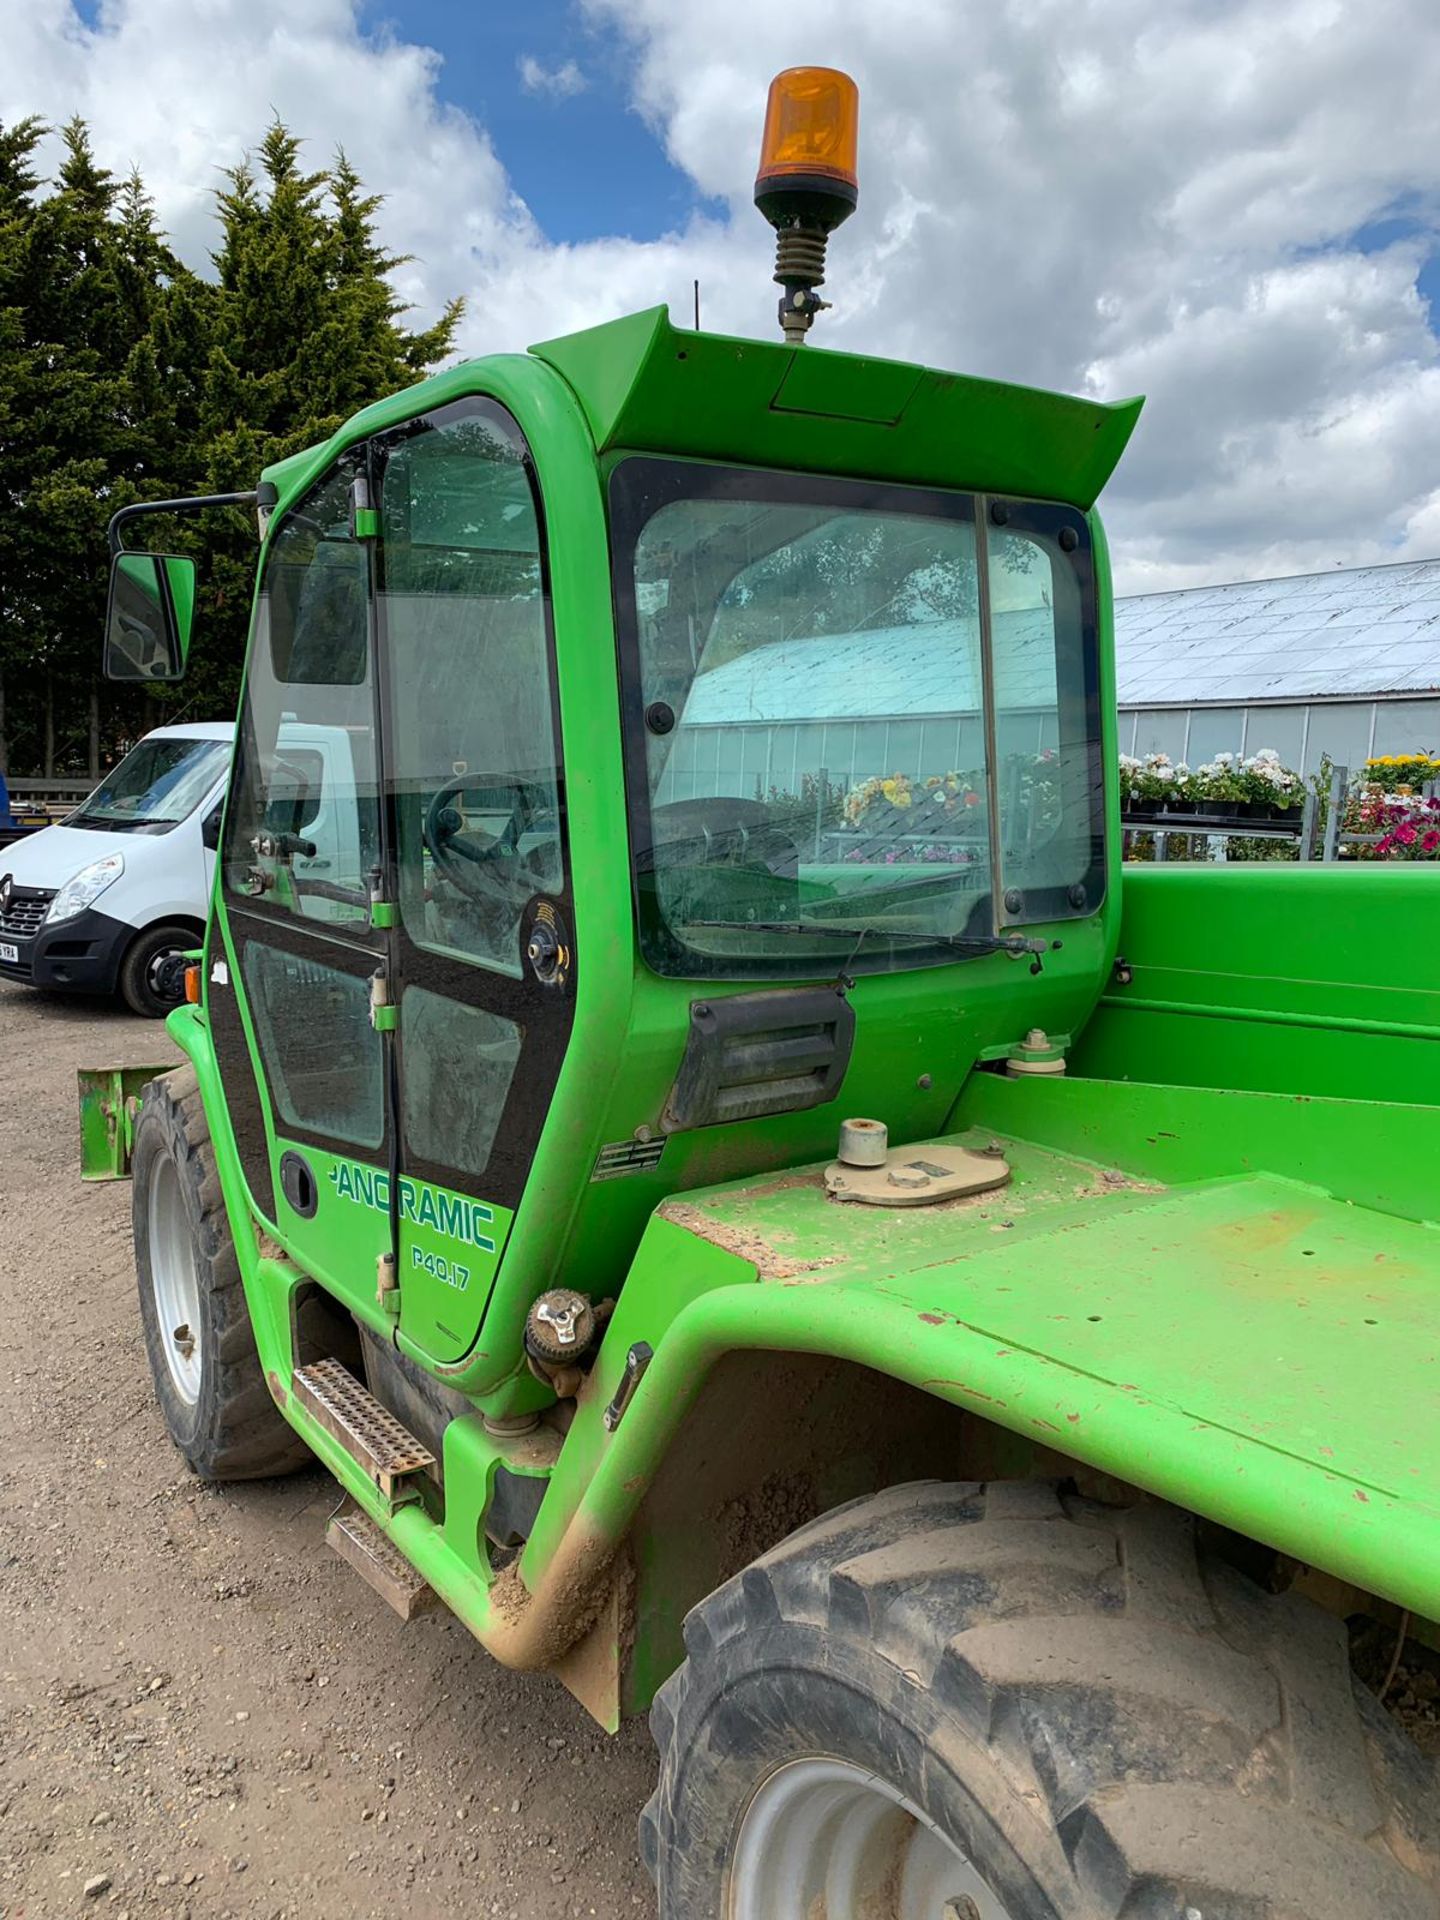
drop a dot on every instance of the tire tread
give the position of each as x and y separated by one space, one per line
1192 1741
241 1435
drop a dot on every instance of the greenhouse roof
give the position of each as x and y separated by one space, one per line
924 670
1356 633
1363 631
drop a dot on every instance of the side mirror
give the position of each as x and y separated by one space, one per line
210 827
149 616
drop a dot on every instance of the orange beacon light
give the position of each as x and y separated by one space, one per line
807 182
812 123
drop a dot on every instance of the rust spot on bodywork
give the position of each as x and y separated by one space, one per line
963 1386
933 1319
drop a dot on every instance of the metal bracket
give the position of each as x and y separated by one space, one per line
109 1103
194 503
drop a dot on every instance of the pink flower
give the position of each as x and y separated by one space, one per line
1429 841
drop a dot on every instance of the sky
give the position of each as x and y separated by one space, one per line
1230 206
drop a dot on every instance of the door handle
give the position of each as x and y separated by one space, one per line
298 1184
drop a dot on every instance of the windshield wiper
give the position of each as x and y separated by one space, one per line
1016 944
120 823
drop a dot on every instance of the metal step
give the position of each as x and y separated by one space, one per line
379 1562
369 1433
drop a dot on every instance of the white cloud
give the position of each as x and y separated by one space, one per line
560 83
1096 195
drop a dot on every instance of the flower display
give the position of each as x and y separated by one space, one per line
1408 824
1401 772
1154 778
1222 784
941 798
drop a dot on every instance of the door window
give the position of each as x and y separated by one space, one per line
471 735
306 774
459 1062
313 1025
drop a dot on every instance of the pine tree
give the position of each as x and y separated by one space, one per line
124 376
22 391
306 329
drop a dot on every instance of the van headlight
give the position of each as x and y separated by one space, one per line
83 889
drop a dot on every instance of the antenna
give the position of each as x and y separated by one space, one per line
697 306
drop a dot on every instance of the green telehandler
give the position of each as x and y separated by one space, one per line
687 1120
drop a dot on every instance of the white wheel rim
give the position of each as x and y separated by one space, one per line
174 1282
824 1837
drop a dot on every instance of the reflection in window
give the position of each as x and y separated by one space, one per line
827 759
306 760
473 750
1048 773
459 1062
322 1055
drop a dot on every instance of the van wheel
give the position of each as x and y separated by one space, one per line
150 984
207 1373
1005 1703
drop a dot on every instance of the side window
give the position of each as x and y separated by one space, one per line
321 1060
306 765
474 764
1048 772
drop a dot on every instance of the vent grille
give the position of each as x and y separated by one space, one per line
28 905
627 1156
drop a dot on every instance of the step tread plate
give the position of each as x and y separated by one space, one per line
369 1432
379 1562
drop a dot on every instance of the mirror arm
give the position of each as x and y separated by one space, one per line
194 503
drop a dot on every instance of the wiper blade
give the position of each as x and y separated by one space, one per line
119 823
1012 943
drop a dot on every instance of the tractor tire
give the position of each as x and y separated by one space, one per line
1005 1703
207 1373
143 968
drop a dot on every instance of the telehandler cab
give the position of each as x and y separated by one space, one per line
669 1126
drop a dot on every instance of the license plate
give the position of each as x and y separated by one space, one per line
7 952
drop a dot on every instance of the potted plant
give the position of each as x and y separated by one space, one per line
1220 785
1272 791
1147 786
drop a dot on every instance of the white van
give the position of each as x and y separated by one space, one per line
102 901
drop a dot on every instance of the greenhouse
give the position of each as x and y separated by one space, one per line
1339 665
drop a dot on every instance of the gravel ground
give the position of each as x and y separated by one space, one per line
204 1712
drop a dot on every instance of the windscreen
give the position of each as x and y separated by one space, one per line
156 786
817 775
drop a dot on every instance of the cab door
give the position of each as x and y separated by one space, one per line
294 975
484 948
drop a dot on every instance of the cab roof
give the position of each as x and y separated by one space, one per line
646 386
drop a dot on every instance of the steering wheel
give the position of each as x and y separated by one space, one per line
475 859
